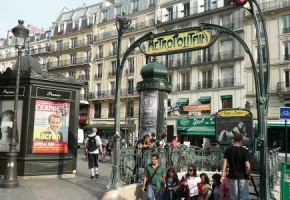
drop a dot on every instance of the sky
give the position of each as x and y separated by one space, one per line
39 13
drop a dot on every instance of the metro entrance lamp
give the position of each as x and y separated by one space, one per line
10 177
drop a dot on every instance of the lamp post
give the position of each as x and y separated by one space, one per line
10 177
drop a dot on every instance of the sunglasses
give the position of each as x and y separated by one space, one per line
190 170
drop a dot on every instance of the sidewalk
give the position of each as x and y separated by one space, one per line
81 187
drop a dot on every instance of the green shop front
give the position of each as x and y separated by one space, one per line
196 131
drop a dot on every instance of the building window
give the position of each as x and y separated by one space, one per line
205 55
112 88
100 51
90 21
61 28
111 111
184 82
227 101
130 86
131 66
261 29
227 75
114 48
76 25
59 45
130 108
287 79
99 71
286 50
227 50
286 24
74 42
135 5
186 9
113 69
206 81
73 59
169 78
151 3
118 11
98 108
89 39
58 61
227 21
131 41
104 16
98 89
170 13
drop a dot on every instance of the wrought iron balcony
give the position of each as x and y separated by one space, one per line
141 25
112 74
105 35
129 91
84 97
69 45
182 87
85 78
287 57
283 86
205 58
39 50
204 84
181 62
67 63
130 70
98 76
229 82
102 94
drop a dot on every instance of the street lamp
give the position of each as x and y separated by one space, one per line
10 177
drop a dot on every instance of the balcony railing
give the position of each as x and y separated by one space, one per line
85 78
130 70
287 57
112 74
272 5
205 58
229 26
229 82
204 84
110 93
283 86
98 76
141 25
76 44
8 55
105 35
39 50
67 63
182 87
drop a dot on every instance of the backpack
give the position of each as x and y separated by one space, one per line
92 143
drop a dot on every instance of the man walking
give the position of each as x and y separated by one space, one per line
154 179
237 157
93 146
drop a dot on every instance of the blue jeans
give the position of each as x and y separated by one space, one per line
239 189
153 193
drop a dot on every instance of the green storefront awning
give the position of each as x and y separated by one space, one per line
201 130
226 97
182 101
204 99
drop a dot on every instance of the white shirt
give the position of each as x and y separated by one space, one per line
192 184
98 141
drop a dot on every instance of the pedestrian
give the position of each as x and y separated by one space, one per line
203 186
93 146
216 188
153 138
154 179
188 184
109 149
174 142
171 184
238 160
225 190
163 141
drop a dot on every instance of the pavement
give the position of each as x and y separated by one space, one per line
79 187
51 187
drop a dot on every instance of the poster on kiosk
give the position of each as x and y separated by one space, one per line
51 122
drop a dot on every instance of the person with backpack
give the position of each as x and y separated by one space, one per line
93 146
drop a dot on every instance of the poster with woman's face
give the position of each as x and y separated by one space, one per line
6 124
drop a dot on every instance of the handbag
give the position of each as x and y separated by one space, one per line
149 179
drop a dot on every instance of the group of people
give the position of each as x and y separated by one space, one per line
231 184
150 142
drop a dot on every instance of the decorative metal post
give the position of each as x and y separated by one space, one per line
262 98
10 177
122 24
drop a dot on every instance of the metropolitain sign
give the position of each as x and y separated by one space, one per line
178 41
